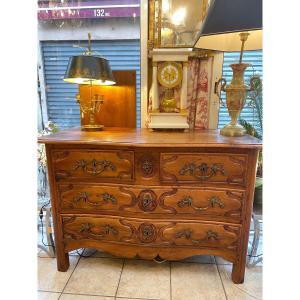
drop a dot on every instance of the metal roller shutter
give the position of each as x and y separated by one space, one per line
61 104
251 57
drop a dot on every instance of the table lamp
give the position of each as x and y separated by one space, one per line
92 70
233 25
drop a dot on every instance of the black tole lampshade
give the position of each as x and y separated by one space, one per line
89 69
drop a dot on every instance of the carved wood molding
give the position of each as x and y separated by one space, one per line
162 200
241 178
127 156
149 233
59 155
164 175
134 199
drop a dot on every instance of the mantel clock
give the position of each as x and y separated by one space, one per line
169 79
169 75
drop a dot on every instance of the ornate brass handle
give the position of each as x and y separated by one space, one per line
107 229
203 171
212 201
223 85
187 234
106 197
94 167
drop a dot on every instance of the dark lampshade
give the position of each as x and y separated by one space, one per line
89 69
224 21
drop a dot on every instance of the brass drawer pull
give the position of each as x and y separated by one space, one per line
203 171
86 228
187 234
212 202
106 197
94 167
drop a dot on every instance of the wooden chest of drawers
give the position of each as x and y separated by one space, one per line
153 195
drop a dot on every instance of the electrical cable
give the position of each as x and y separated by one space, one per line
81 254
255 255
41 215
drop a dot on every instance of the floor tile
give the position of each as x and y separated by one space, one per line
132 299
95 276
194 281
48 296
222 261
51 280
250 289
145 279
83 297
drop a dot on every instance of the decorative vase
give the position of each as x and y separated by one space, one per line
236 93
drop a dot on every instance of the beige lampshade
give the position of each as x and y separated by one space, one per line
230 41
224 21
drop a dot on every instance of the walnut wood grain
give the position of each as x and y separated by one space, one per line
139 193
147 201
152 232
145 138
202 168
101 165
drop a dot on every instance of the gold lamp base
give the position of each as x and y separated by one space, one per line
233 130
236 93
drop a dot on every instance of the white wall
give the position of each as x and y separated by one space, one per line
105 29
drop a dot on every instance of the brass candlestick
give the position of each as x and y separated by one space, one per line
91 108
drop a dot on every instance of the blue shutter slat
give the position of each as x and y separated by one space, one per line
62 107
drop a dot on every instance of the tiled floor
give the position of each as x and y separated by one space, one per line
104 277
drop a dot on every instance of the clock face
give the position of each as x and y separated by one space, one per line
169 74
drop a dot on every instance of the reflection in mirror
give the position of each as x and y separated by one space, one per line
176 23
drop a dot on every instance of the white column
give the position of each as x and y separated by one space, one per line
155 100
184 86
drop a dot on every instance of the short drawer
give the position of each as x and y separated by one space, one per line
151 232
210 204
203 168
98 165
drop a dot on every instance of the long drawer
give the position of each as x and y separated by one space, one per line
151 232
217 204
202 168
96 165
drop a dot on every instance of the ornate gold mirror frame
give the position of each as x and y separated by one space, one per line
155 24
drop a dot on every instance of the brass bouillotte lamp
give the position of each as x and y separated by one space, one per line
89 69
233 25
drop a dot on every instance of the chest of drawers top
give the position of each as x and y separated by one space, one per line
139 137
